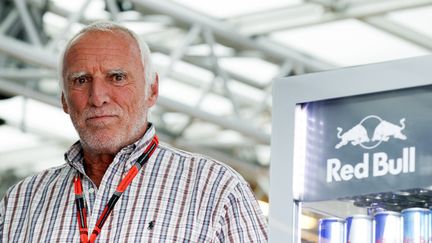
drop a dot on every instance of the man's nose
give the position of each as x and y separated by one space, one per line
99 92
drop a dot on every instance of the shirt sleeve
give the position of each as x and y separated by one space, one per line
2 213
242 219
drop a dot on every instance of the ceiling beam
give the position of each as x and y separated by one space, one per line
27 53
309 14
228 34
408 34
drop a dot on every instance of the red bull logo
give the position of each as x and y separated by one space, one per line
376 164
373 164
358 134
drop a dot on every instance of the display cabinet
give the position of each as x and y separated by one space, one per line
351 140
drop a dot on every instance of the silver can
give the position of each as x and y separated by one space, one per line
331 230
359 229
388 227
416 225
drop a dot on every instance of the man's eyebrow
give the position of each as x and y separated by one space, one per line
75 75
116 71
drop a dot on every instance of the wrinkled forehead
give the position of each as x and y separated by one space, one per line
104 39
106 43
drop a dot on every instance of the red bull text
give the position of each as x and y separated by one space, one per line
382 164
359 229
331 230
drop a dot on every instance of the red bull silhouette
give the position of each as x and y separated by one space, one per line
385 130
355 135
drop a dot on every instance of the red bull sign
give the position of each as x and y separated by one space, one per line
358 135
376 164
367 144
380 162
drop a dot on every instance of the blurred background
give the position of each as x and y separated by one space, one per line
216 61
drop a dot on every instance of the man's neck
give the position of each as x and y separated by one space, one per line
96 166
96 163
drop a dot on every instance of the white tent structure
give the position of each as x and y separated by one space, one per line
216 59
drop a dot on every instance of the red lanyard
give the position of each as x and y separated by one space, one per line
125 182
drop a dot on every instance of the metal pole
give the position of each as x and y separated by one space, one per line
228 33
28 22
9 21
27 52
229 123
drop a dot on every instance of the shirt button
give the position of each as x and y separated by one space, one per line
91 190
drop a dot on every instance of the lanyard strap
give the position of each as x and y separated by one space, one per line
125 182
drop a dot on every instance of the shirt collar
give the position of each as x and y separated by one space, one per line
74 155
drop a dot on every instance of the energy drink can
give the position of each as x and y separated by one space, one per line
430 226
416 225
388 227
359 229
331 230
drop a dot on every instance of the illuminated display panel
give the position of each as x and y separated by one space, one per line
366 143
305 104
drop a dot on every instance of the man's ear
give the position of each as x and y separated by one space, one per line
154 92
64 104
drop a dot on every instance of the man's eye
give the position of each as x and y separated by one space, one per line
119 77
81 80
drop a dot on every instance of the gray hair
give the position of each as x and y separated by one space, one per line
106 26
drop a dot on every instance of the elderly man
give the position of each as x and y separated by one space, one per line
118 183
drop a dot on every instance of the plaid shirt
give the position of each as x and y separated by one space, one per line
176 197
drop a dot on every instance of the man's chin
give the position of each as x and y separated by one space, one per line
102 149
101 144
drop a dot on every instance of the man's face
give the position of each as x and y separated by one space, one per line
104 91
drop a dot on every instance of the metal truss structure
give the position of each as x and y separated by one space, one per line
240 134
